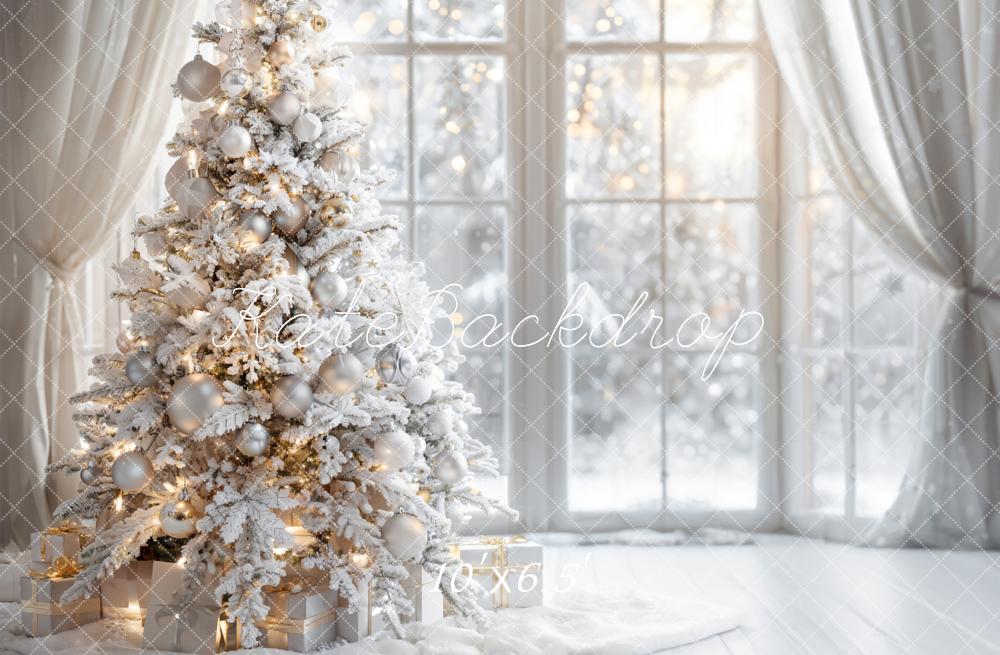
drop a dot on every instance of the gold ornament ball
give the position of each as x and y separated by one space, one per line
280 53
318 23
177 519
336 211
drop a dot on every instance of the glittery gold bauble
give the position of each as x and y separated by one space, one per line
318 23
336 212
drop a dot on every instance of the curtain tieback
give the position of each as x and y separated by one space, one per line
984 292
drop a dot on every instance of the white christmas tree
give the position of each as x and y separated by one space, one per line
279 362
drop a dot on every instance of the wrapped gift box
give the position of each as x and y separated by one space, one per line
125 595
55 542
179 624
365 621
300 618
422 590
13 567
508 568
42 613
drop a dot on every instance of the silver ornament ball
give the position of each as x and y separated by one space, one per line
405 536
395 364
418 391
235 141
141 369
440 423
258 224
253 439
292 221
451 467
285 108
177 519
280 53
235 82
307 127
198 80
341 373
393 450
291 396
90 474
131 471
193 399
328 289
295 267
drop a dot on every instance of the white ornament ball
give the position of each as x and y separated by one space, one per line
196 196
236 82
328 289
341 373
198 80
418 391
440 423
295 266
395 364
188 298
193 399
393 450
141 369
291 396
285 108
405 536
307 127
258 224
90 474
291 222
281 52
253 439
235 141
131 471
177 519
451 467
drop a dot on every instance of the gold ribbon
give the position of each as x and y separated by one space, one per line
66 528
64 567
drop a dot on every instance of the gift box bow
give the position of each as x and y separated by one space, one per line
62 529
64 567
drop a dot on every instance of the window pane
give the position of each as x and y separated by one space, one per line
825 270
463 244
711 268
369 20
822 432
710 20
710 126
613 135
615 454
458 20
460 123
888 423
380 102
712 432
622 20
885 296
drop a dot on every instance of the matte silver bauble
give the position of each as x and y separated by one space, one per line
292 221
258 224
177 519
141 369
198 80
418 391
90 474
285 108
341 373
451 467
440 423
393 450
187 298
193 399
291 396
328 289
295 267
235 141
236 82
395 364
196 195
253 439
131 471
281 52
307 127
405 536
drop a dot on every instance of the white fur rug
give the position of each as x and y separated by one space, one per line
595 624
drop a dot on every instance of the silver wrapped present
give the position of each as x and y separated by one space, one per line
43 614
508 568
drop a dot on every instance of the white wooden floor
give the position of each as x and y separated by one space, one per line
807 596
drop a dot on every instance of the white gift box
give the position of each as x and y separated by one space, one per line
50 544
300 620
126 593
422 590
11 572
365 621
508 568
176 623
43 614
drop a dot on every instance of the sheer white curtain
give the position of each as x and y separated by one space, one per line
85 97
902 100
